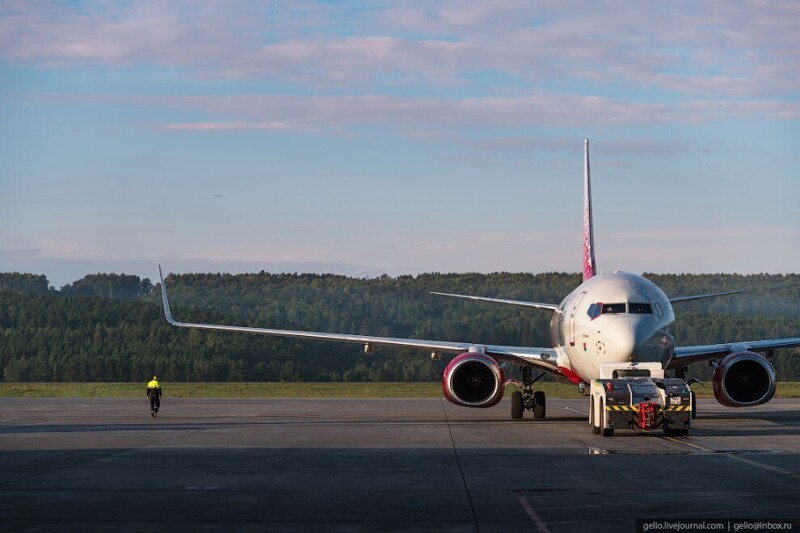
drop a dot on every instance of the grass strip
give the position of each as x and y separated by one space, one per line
289 390
222 390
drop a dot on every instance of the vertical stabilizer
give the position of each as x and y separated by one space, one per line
589 268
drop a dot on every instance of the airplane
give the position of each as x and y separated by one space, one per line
616 317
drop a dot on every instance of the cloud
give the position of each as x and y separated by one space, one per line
740 50
693 249
722 109
626 147
420 114
20 253
334 69
222 126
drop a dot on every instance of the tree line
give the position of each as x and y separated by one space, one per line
109 327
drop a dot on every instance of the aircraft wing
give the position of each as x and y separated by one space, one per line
681 299
686 355
518 303
543 358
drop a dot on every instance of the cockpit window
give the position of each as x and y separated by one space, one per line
640 309
613 308
595 310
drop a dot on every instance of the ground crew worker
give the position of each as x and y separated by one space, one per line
154 395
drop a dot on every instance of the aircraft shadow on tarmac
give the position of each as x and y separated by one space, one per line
786 423
372 488
789 416
165 425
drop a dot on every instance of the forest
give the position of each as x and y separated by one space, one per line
110 327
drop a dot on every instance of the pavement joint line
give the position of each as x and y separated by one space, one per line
638 503
18 426
460 470
537 520
687 443
71 465
776 469
735 457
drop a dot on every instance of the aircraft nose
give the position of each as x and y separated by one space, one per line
652 344
621 339
633 338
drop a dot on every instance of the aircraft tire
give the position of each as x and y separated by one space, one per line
539 410
517 407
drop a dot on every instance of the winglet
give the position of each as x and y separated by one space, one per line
589 268
167 312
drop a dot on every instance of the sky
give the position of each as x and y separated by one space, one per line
397 137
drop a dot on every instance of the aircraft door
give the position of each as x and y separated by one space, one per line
572 313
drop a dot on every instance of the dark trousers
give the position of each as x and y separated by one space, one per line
155 402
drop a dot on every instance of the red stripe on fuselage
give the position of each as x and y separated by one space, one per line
569 374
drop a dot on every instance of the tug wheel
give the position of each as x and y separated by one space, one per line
607 432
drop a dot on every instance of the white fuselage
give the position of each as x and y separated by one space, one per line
611 318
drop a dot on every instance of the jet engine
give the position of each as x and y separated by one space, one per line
743 379
473 380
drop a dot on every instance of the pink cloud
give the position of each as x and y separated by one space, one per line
222 126
274 111
716 48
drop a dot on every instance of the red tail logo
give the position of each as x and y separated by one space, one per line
589 268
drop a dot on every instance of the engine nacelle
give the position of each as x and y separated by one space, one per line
473 380
744 379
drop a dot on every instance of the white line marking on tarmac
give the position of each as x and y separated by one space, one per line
8 419
576 411
537 520
775 469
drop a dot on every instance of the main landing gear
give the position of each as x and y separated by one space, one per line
528 399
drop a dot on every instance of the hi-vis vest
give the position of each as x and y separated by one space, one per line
154 388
